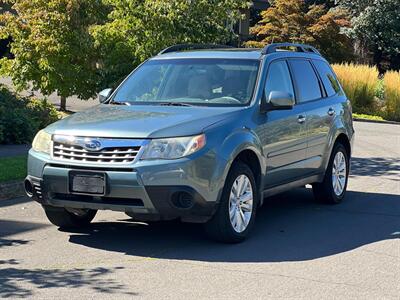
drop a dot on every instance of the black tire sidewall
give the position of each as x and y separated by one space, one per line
62 218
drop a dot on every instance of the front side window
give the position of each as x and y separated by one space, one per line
211 82
329 80
278 78
306 80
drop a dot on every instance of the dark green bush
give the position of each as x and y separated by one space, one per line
22 117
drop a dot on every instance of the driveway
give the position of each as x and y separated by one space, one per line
299 249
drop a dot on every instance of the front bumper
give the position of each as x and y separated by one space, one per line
187 188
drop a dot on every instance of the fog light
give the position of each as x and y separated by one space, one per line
28 188
182 200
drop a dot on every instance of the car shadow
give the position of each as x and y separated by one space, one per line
376 167
289 227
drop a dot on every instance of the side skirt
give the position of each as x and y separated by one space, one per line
291 185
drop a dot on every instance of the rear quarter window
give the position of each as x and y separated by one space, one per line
329 80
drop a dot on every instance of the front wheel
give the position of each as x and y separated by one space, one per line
69 217
333 188
237 208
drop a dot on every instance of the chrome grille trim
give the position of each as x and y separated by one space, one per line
108 151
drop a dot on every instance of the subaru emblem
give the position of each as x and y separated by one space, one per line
92 145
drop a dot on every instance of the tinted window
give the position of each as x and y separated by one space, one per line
331 84
279 78
306 79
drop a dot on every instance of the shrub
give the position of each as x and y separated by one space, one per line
22 117
360 82
392 96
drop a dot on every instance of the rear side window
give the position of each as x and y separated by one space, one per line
306 80
329 80
278 78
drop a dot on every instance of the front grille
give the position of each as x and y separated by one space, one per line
105 155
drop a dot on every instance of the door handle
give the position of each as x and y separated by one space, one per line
331 111
301 119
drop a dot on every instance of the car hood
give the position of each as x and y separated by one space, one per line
141 121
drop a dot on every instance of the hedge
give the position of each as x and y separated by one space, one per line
22 117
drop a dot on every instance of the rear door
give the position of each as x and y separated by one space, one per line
282 132
321 124
312 98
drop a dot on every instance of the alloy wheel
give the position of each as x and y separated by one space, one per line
241 203
339 173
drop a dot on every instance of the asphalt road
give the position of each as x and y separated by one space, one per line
298 249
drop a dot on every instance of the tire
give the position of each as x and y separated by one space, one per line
325 192
220 227
69 218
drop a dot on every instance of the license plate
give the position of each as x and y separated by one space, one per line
88 183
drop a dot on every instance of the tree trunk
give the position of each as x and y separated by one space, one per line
378 58
63 103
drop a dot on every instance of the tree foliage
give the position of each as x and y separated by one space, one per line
76 47
138 29
376 23
295 21
52 46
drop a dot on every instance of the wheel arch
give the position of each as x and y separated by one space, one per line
245 147
342 138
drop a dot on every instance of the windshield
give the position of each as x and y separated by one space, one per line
191 82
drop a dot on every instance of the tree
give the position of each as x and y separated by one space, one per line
138 29
295 21
376 24
53 49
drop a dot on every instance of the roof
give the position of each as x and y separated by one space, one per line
233 53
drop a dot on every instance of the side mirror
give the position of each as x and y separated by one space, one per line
104 94
281 100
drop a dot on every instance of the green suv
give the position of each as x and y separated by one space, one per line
201 134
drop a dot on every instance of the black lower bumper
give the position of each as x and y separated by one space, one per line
181 201
168 202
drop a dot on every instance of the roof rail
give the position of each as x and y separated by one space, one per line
181 47
271 48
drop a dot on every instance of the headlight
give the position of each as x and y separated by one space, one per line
42 142
173 148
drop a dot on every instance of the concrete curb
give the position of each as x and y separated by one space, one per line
12 189
376 121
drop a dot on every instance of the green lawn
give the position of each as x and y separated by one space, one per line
12 168
367 117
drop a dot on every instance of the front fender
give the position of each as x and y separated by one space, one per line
238 141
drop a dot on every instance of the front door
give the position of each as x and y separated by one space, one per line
282 132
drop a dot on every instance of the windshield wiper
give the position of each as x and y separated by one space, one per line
175 104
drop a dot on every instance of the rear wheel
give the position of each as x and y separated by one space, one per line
236 212
333 188
69 217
